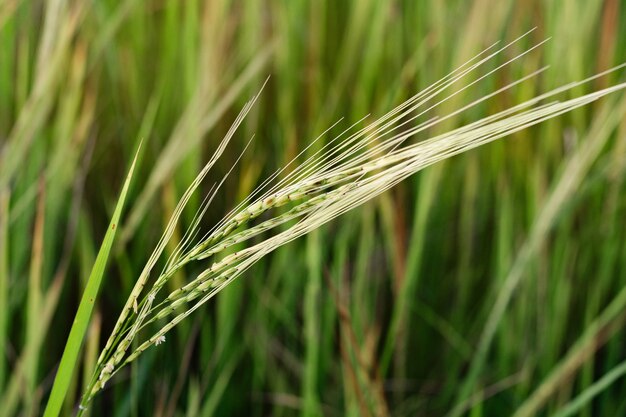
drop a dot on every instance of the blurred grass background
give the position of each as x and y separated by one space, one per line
382 313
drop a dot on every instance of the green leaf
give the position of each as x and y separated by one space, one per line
81 321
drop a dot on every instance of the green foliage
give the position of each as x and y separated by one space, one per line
488 284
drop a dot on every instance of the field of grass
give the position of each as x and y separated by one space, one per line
490 284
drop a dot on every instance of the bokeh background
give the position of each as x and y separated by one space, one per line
382 312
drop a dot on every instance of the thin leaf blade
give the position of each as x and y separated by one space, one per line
85 308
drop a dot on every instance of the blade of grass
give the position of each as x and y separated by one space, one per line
79 326
587 395
4 282
219 385
35 292
606 325
312 327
